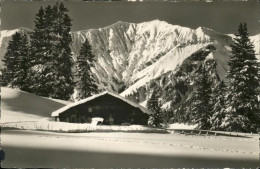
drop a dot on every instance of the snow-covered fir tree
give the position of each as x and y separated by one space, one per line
166 116
38 55
51 74
154 106
10 59
63 56
24 64
242 104
86 85
201 106
188 110
179 113
16 64
41 58
218 101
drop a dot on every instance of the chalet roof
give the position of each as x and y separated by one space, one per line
61 110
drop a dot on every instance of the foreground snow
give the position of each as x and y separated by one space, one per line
25 149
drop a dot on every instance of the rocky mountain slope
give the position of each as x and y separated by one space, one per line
134 59
133 54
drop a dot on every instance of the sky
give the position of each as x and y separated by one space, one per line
222 16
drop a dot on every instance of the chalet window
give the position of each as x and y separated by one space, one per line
90 110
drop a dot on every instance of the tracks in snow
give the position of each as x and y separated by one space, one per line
167 144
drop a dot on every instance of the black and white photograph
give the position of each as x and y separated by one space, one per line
130 84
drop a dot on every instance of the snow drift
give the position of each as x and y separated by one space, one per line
18 106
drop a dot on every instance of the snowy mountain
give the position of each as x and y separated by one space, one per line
135 58
129 53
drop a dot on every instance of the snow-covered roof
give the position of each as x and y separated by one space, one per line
61 110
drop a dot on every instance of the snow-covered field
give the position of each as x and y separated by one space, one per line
46 149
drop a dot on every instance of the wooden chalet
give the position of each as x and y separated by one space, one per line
114 109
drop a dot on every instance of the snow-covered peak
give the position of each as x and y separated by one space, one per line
157 25
6 33
179 34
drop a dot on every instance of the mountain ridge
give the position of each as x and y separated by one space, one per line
136 44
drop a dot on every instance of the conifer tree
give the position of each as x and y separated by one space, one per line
86 84
3 76
179 113
218 101
15 72
40 50
201 105
24 64
63 60
51 74
242 104
10 59
153 105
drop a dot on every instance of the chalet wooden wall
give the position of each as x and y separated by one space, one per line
111 109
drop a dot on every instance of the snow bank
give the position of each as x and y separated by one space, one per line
45 125
181 126
18 106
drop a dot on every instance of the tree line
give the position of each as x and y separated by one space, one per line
41 62
226 106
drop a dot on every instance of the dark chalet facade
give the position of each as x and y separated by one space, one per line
114 109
